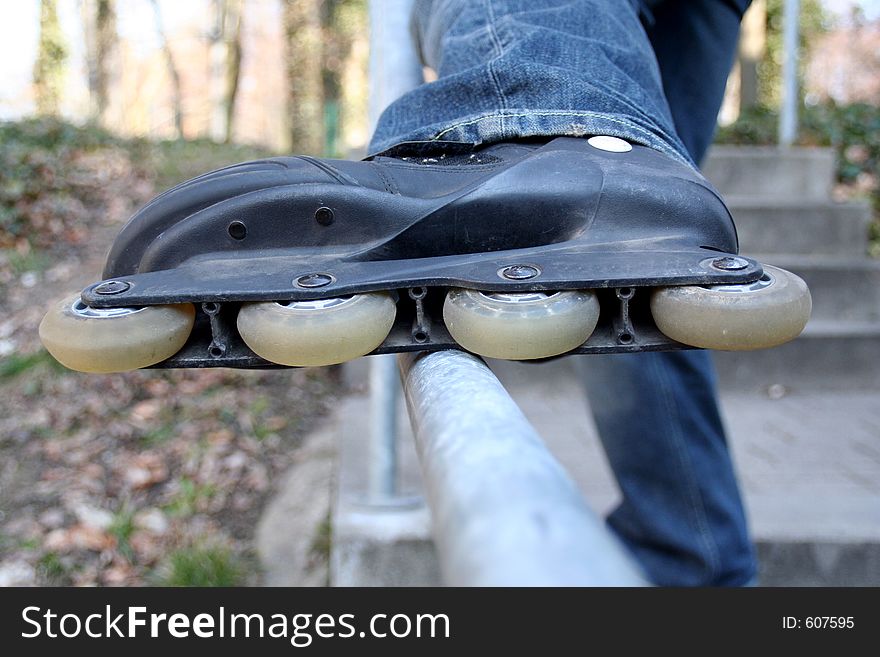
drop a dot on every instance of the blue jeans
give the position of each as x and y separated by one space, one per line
652 72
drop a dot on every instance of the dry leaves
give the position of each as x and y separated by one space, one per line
102 476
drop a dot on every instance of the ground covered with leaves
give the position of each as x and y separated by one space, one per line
148 477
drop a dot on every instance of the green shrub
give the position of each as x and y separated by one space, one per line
756 126
57 179
177 160
829 124
54 174
852 130
201 566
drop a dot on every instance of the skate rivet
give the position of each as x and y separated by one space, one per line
314 280
112 287
519 272
324 216
237 230
610 144
730 263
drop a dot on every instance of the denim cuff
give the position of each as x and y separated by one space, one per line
510 124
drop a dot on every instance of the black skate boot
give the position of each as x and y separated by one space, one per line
517 250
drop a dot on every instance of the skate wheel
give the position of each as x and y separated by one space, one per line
766 313
103 340
520 326
315 333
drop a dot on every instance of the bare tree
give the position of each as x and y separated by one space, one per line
51 60
225 55
752 47
99 21
172 69
344 22
303 64
234 53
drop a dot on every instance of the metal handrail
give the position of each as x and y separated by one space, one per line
504 511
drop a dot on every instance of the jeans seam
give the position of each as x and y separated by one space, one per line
499 50
574 113
697 506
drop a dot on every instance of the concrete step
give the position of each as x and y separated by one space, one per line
829 355
780 226
808 462
842 288
818 563
768 172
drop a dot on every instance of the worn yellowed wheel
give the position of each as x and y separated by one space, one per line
766 313
315 333
520 326
114 339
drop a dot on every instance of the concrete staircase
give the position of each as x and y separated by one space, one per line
781 201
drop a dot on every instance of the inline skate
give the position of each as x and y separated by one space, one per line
521 250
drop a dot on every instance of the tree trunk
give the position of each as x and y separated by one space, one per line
346 42
303 64
224 57
752 48
101 39
233 62
172 70
51 59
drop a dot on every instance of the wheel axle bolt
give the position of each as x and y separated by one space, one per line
730 263
314 280
112 287
519 272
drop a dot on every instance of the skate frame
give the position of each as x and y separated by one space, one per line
625 326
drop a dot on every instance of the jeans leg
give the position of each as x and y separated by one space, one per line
509 69
681 513
695 43
657 414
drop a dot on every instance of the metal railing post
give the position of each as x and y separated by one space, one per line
504 511
394 62
394 70
788 113
384 395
